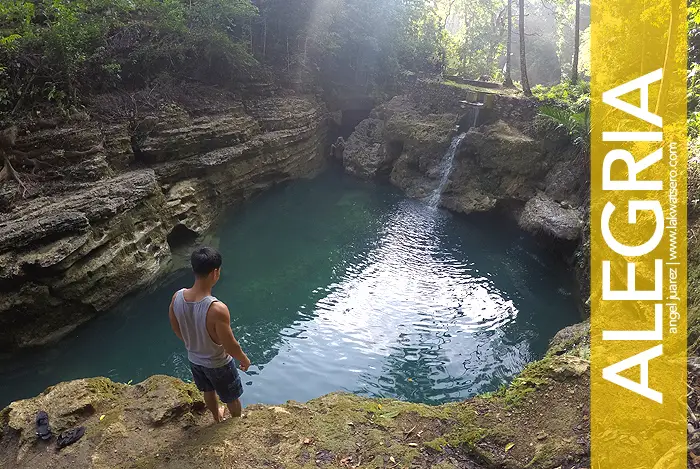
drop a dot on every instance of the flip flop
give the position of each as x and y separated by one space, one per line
69 437
43 429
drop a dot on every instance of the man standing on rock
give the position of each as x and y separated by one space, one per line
204 324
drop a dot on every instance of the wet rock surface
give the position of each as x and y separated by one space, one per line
496 163
365 154
110 198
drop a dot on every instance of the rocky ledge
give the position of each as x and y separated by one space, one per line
109 201
540 421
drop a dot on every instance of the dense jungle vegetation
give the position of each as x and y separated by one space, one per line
55 53
58 56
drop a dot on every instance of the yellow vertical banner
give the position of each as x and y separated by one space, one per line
638 234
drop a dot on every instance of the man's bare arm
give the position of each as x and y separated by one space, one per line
173 320
222 318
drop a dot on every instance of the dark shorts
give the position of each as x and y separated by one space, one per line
224 380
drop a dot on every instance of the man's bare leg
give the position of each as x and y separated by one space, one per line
213 405
235 408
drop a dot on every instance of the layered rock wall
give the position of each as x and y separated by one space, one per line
112 200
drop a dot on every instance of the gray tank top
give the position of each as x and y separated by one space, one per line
192 318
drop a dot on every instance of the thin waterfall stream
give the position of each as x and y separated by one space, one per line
446 164
445 170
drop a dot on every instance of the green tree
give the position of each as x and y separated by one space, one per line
509 80
56 51
577 42
523 65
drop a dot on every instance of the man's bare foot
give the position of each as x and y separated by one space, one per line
222 413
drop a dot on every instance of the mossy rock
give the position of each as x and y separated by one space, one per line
336 430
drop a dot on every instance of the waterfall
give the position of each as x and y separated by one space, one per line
445 170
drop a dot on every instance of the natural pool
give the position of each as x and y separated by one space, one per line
339 285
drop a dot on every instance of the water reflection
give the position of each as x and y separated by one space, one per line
335 284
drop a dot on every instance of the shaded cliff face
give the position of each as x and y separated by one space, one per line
540 422
112 199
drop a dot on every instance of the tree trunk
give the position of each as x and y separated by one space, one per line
523 65
449 13
577 41
264 38
509 80
668 57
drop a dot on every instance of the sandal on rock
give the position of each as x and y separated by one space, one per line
69 437
43 429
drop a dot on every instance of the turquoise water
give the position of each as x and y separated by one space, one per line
339 285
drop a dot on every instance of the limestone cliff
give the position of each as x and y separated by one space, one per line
113 198
508 159
540 421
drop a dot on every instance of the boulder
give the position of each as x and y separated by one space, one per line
423 135
571 338
119 420
500 147
543 215
496 163
567 181
421 141
569 366
365 153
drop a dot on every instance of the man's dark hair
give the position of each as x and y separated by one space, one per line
205 260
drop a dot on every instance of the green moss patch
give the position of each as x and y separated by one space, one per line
105 388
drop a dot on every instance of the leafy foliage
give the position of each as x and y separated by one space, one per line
576 97
576 124
56 50
481 36
567 106
694 70
360 43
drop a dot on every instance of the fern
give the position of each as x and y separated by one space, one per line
576 124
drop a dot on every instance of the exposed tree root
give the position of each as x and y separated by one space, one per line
27 159
9 173
8 138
